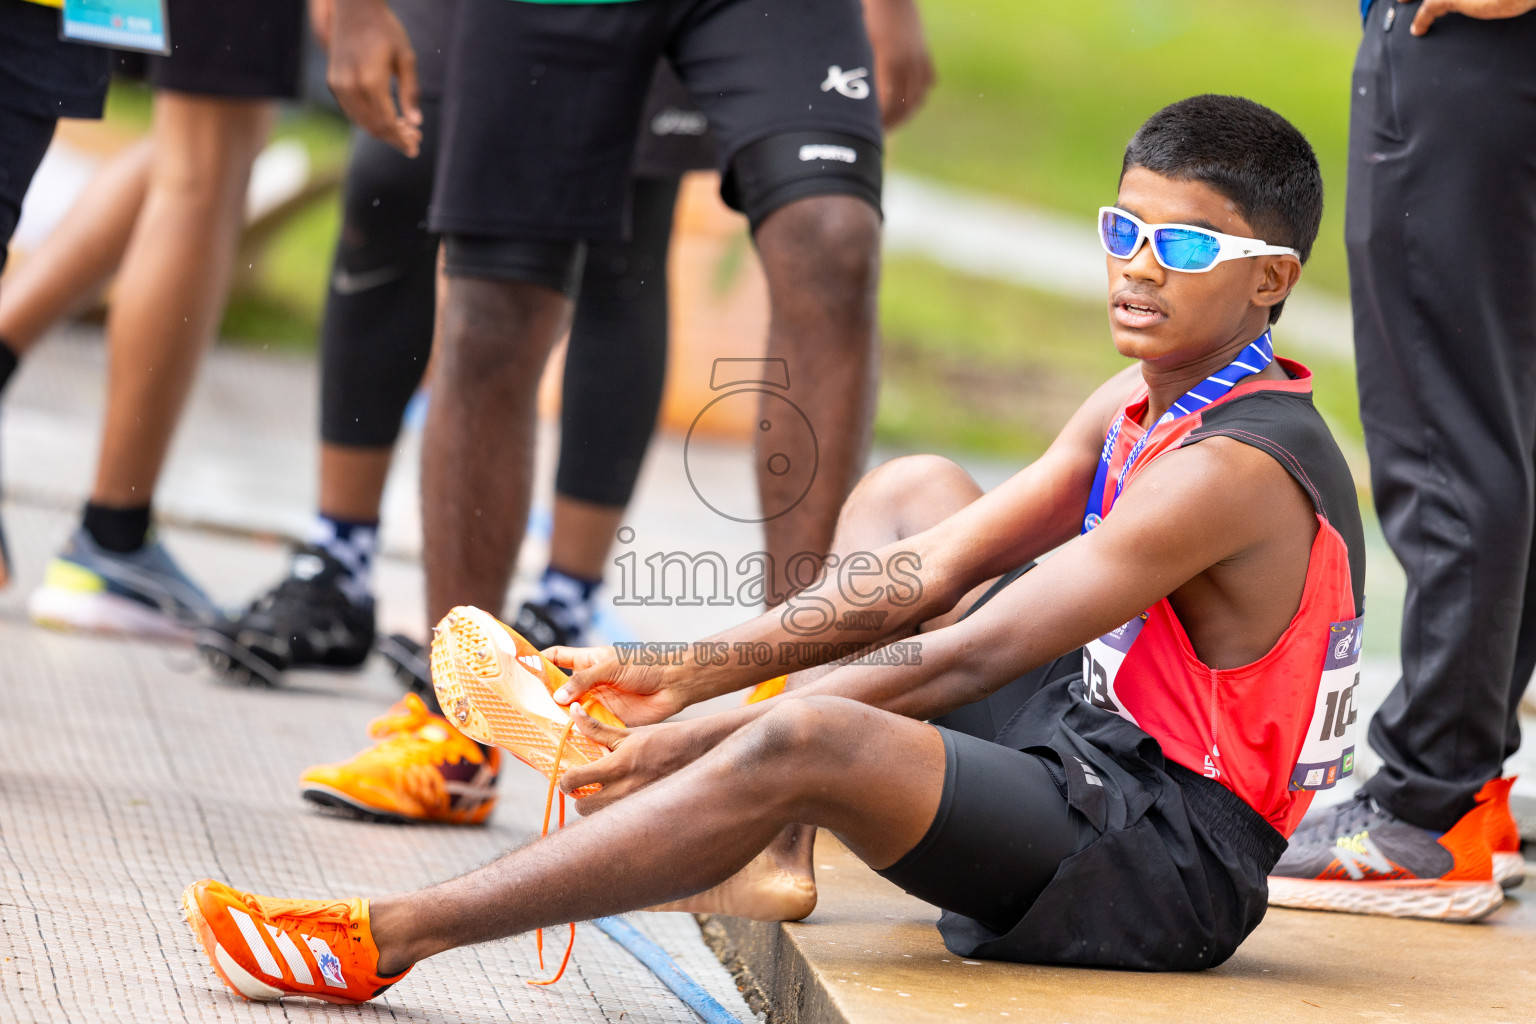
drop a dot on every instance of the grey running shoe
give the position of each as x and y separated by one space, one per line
142 593
1359 858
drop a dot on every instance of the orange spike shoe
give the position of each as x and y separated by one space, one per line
496 688
419 769
1503 833
266 948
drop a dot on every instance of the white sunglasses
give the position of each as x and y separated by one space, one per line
1181 247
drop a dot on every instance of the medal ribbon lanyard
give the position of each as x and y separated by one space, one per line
1259 354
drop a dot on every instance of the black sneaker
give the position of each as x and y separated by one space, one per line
306 621
534 623
408 660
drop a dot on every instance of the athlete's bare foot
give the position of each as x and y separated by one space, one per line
778 884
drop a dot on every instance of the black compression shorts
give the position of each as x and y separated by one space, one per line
1063 836
249 49
543 101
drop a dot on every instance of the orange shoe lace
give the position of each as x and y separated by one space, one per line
549 800
333 917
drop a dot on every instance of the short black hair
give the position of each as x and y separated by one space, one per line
1245 151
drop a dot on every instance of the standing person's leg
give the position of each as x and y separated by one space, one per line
615 366
821 256
375 340
1442 237
80 255
1441 230
511 214
171 291
174 282
802 159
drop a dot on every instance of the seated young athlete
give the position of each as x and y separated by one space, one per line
1095 761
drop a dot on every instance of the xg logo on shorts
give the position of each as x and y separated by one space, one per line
854 84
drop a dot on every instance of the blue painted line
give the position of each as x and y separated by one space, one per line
666 970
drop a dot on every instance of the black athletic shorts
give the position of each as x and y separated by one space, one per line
251 49
544 101
42 75
1160 868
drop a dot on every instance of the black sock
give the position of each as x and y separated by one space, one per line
8 362
122 530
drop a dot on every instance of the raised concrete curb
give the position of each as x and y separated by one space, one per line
870 955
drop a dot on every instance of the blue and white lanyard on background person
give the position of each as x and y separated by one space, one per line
1259 354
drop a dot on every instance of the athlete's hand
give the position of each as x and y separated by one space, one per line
369 51
638 694
639 758
1485 10
903 68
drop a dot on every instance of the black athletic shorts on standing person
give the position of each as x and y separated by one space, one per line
42 78
250 49
1063 836
544 101
674 133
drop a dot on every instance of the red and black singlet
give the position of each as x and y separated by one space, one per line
1278 729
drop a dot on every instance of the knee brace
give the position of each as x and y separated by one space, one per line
554 265
777 170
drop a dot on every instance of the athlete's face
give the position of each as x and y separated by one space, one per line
1169 318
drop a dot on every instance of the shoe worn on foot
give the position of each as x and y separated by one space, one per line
539 628
143 592
266 948
1503 833
421 769
496 687
1358 858
407 660
306 621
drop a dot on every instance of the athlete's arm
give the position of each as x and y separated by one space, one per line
903 66
1034 511
1186 512
369 51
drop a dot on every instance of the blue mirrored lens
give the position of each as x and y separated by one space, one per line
1183 249
1119 233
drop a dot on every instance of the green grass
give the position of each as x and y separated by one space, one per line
1037 101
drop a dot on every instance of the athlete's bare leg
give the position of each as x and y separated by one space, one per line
869 776
582 536
352 480
493 339
174 280
79 256
821 256
894 500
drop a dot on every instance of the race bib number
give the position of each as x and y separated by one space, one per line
1102 659
1328 754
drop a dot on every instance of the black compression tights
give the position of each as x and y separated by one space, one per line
377 331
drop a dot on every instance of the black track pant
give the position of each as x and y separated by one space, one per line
377 332
1441 228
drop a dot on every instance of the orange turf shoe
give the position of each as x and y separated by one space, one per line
266 948
1502 832
494 686
421 769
